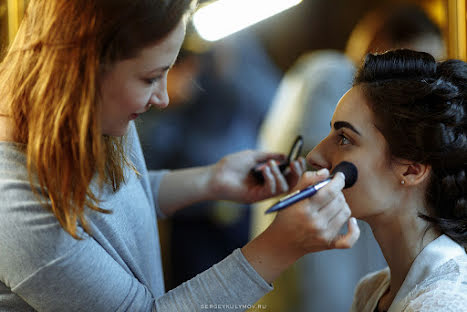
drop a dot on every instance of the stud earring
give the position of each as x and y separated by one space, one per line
403 182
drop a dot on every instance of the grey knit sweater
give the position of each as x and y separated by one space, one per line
118 268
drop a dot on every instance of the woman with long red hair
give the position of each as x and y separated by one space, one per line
78 208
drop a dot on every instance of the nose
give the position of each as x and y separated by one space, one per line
160 97
317 158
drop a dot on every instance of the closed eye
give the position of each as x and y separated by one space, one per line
152 80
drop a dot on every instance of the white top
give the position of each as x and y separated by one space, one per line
437 281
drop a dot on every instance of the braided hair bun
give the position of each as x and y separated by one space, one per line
420 106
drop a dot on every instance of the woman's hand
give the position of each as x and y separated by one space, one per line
310 225
231 178
317 220
228 179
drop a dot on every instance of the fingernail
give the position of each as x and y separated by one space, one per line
323 172
296 165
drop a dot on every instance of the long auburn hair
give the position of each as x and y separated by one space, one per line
50 88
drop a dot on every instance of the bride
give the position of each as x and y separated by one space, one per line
404 125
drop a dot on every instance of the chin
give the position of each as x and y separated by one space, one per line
360 209
355 203
117 131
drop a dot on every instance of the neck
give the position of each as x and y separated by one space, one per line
401 236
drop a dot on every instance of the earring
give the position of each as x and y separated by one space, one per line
403 182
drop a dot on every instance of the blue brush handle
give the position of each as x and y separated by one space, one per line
297 196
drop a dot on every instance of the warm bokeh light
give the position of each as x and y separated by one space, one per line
224 17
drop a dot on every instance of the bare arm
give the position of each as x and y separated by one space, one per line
228 179
180 188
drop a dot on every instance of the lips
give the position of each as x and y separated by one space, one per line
135 115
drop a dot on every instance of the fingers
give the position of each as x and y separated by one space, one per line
336 213
336 222
303 163
311 177
350 238
328 220
269 180
328 212
281 183
329 192
298 167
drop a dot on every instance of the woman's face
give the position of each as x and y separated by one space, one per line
355 138
131 86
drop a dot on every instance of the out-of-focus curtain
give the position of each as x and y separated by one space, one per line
457 29
11 13
451 16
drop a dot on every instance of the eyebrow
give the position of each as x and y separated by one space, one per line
159 69
345 124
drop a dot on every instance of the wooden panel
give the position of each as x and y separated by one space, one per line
3 25
15 9
457 26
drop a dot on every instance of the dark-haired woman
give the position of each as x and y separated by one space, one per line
404 124
78 208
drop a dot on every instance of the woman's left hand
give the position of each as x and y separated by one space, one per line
231 178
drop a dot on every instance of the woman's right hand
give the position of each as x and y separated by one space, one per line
310 225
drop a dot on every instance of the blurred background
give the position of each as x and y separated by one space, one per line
258 88
311 25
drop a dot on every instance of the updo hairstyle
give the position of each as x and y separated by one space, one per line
420 108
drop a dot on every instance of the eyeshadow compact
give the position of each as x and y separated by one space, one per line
295 151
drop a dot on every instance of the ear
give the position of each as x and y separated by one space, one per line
412 173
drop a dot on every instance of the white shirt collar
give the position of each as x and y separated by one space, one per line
439 251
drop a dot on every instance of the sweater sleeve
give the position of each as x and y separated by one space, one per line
51 271
45 267
86 279
231 285
155 178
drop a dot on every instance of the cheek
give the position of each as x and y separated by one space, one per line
132 96
372 191
124 96
362 192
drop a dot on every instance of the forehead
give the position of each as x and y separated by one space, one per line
164 51
171 43
354 108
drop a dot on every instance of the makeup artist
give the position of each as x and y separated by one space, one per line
78 208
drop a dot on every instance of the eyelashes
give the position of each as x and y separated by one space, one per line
343 140
152 80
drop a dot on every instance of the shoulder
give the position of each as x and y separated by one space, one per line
30 234
444 290
369 290
440 296
372 281
14 180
